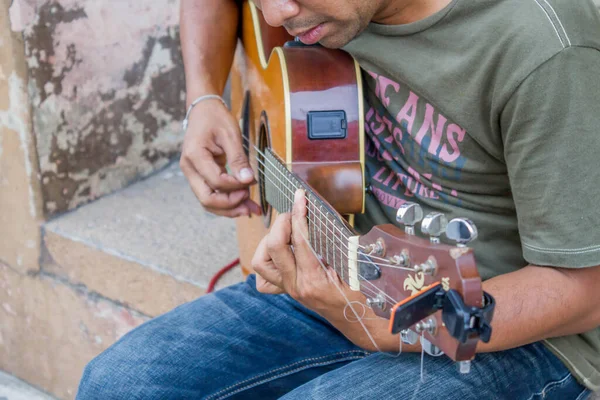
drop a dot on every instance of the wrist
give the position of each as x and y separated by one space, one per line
199 88
196 102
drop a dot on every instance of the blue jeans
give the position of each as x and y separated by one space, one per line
240 344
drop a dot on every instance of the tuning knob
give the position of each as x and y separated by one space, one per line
462 231
434 224
430 348
409 214
409 336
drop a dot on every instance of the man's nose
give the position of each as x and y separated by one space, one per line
277 12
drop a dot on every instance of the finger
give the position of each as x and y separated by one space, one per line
300 227
241 211
231 204
266 287
237 161
253 207
261 254
204 162
278 246
333 276
263 264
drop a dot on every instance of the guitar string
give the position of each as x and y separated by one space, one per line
320 212
336 245
337 285
373 291
323 214
377 290
359 319
366 254
346 247
246 147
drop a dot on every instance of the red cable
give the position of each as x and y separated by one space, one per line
219 274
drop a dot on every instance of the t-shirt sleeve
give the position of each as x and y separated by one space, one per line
551 136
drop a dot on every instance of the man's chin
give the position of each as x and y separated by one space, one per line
333 42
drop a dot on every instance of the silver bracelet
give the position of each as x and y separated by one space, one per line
198 100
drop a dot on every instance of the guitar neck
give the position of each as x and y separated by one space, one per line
328 232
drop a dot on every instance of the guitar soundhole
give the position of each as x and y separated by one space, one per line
245 123
263 144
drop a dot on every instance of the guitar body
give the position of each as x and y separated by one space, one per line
301 115
275 91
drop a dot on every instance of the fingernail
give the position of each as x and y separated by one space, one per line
298 195
246 174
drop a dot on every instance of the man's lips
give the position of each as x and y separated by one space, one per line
310 36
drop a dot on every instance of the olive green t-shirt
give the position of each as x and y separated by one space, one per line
490 110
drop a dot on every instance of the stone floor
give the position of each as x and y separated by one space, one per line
106 268
159 224
13 389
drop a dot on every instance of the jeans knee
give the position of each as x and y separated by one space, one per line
95 380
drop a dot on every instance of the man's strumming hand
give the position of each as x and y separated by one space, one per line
211 142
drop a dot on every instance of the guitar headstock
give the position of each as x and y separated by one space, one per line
396 267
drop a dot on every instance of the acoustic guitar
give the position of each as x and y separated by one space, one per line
301 116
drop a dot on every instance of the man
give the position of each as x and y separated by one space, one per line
485 109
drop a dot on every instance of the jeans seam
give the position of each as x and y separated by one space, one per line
584 392
552 385
288 366
319 364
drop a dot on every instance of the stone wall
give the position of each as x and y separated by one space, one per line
106 85
50 329
20 195
91 99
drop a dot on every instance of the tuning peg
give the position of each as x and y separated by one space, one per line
409 214
462 231
430 348
409 336
464 367
434 224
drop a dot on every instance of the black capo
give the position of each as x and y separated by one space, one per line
462 322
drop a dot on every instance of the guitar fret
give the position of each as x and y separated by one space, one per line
312 224
279 194
291 189
326 240
333 248
342 258
320 231
327 233
333 236
290 193
269 182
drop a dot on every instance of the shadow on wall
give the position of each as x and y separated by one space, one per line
107 92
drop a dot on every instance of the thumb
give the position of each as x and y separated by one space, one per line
300 225
266 287
236 158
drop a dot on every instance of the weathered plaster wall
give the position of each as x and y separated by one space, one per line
51 329
107 91
20 196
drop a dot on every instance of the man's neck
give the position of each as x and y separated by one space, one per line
397 12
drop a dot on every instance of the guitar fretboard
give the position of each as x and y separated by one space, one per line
328 233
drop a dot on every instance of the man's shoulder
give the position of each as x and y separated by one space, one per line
525 34
545 25
575 23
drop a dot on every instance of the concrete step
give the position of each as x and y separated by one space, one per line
12 388
106 268
51 329
149 247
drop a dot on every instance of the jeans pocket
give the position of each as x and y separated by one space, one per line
566 388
